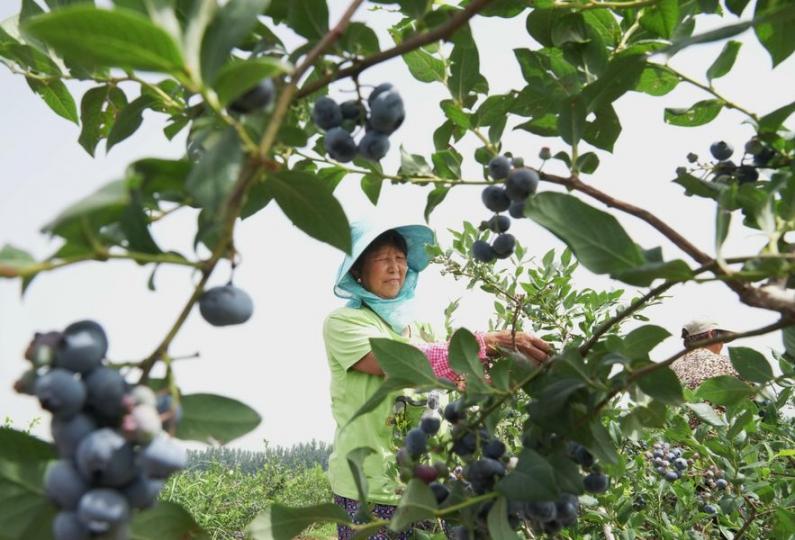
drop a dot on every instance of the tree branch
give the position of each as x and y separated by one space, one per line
414 42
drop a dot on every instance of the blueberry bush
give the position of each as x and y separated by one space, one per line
601 440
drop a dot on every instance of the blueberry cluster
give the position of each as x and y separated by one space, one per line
226 305
486 461
339 120
758 155
712 480
519 183
668 461
114 455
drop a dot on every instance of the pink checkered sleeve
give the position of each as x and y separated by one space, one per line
437 354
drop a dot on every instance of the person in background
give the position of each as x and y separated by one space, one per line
705 362
378 280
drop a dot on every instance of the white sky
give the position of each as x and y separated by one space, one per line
276 362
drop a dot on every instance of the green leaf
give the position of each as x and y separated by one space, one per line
282 523
698 114
100 37
639 342
371 186
360 39
788 339
211 418
750 364
725 60
775 27
588 162
602 446
311 207
166 520
772 121
56 96
656 80
661 18
30 57
571 119
723 390
455 113
621 75
231 25
604 130
128 120
463 355
644 275
417 503
706 413
464 65
413 164
497 521
25 511
236 78
403 361
12 259
18 446
663 385
696 186
595 237
424 66
135 225
386 390
355 460
435 198
532 480
98 110
105 204
215 173
309 18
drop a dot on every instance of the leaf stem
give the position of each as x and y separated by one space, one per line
711 90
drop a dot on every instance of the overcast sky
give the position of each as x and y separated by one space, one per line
276 362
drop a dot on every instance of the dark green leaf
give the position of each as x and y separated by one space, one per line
532 480
463 354
309 18
621 75
706 413
435 198
661 18
708 37
788 339
402 361
698 187
750 364
464 65
588 162
736 6
371 186
57 96
639 342
128 120
644 275
355 460
417 503
569 28
25 512
497 521
774 27
492 110
545 126
18 446
723 390
656 80
663 385
571 119
210 418
135 225
455 114
259 196
282 523
105 204
91 116
212 177
100 37
311 207
230 26
725 60
424 66
602 446
236 78
772 121
698 114
166 520
595 237
604 130
360 39
30 57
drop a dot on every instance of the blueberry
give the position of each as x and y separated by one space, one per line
746 174
106 389
454 411
495 198
104 458
545 153
416 442
326 113
82 347
764 156
67 434
710 509
426 473
387 112
483 473
721 483
353 110
142 492
499 167
381 88
671 476
721 150
67 526
583 457
460 532
542 511
494 449
225 305
521 183
596 482
430 424
374 145
503 245
163 456
482 251
567 507
499 224
169 415
339 145
440 491
60 392
552 527
692 158
102 509
257 97
63 484
465 445
680 463
516 210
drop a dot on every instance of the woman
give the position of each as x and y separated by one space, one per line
378 280
705 362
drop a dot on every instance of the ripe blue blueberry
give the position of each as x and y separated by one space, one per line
746 174
387 112
374 145
495 198
494 449
106 388
499 223
455 411
67 526
465 445
68 433
416 442
339 145
503 245
104 458
721 150
162 457
63 484
567 507
596 482
521 183
671 476
102 509
542 511
680 463
142 492
721 483
516 210
82 347
710 509
499 167
482 251
60 392
353 110
226 305
257 97
381 88
326 113
440 491
430 424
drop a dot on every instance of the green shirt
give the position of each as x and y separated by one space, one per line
346 332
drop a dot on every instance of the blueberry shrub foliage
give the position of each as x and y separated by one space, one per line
601 440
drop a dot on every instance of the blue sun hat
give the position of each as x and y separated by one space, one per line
395 311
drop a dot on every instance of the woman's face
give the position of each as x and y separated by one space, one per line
384 271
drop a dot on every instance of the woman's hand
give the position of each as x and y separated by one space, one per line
525 342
